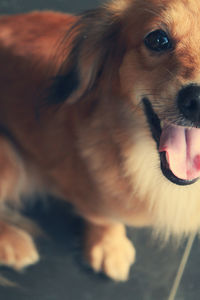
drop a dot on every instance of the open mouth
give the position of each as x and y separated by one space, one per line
179 158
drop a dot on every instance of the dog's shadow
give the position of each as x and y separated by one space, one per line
62 228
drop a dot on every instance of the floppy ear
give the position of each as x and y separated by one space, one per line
95 51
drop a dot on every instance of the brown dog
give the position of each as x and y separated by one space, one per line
103 110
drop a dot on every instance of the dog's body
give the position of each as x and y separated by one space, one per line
90 140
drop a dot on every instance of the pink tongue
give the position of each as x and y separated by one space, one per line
182 147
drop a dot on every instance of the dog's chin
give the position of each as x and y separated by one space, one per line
156 130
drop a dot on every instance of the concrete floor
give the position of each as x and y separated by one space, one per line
62 273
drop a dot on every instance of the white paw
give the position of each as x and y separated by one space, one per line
17 249
112 257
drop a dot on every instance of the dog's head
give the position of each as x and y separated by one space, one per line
148 51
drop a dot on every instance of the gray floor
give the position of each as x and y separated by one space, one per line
62 273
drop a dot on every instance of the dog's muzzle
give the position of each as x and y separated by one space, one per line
178 146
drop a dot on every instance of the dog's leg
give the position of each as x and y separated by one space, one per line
17 248
108 249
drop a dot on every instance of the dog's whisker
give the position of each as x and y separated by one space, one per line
151 11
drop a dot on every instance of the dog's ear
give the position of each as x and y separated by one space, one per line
95 51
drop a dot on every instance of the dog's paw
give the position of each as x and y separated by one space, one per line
114 259
17 249
114 256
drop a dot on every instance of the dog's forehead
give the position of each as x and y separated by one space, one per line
181 18
181 12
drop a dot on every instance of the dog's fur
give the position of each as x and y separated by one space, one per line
73 122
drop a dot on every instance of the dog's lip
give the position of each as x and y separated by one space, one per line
156 130
168 173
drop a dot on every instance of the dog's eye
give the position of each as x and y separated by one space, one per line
158 41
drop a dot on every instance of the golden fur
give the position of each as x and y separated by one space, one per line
85 136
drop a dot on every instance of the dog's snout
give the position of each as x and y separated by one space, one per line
189 103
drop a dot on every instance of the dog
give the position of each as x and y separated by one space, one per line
102 110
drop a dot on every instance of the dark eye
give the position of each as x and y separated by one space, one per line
158 41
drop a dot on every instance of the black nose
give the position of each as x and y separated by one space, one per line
189 103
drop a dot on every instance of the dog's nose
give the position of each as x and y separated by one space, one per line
189 102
